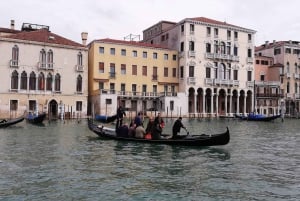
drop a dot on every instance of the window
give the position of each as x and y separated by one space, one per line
144 54
165 72
191 71
123 52
57 83
249 76
79 84
32 105
49 82
134 70
216 46
249 37
154 55
154 77
174 57
13 105
181 46
235 74
101 67
32 81
228 35
174 72
41 81
112 51
123 87
208 72
288 50
181 71
223 48
123 69
101 85
208 31
78 105
112 88
15 56
171 105
208 48
236 36
101 50
288 87
249 53
228 51
23 80
192 28
262 77
43 59
134 53
216 31
112 70
166 56
14 80
133 89
79 59
154 89
235 51
257 61
277 51
144 71
50 59
144 89
182 28
191 46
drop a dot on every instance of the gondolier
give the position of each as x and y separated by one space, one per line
120 114
176 128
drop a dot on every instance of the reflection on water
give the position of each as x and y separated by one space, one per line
66 161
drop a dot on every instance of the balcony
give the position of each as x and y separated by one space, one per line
249 60
296 75
45 66
79 68
154 77
227 57
14 63
191 80
250 83
112 75
288 75
192 53
209 81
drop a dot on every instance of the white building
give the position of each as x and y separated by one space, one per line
42 71
216 63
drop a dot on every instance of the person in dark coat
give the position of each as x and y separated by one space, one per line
138 120
176 128
158 126
120 114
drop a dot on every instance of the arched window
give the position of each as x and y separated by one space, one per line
57 82
49 82
32 81
43 59
23 81
79 59
14 80
222 70
79 84
296 88
288 87
41 82
15 56
50 59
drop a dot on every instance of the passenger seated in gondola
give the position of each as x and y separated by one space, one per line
122 131
140 132
157 128
131 130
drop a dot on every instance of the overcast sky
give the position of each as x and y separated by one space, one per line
272 19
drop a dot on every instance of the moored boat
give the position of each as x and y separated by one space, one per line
36 118
257 117
105 118
8 122
188 140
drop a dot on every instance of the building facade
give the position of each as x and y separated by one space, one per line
268 87
138 76
216 64
287 54
42 71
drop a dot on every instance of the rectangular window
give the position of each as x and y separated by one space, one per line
182 28
181 71
112 51
191 71
101 67
166 56
191 46
133 89
262 77
123 52
154 76
154 88
123 88
249 53
154 55
101 85
165 72
236 36
181 46
144 71
277 51
134 70
144 54
78 105
174 72
257 61
249 38
208 73
235 74
288 50
228 35
192 28
123 69
174 57
216 31
208 48
101 50
235 51
208 31
32 105
112 71
171 105
134 53
112 88
249 76
13 105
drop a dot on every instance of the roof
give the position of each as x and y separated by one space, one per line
131 43
43 36
6 30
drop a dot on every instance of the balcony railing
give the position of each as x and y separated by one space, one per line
191 80
79 68
14 63
296 75
112 74
135 94
192 53
45 66
154 77
209 55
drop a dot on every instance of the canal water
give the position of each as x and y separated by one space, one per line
66 161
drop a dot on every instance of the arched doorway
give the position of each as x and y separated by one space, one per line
191 106
221 102
53 109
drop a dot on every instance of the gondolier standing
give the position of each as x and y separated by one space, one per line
176 128
120 114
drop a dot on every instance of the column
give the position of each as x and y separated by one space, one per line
238 104
203 102
226 105
195 103
217 104
230 104
211 103
244 104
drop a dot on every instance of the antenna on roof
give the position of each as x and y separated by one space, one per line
132 37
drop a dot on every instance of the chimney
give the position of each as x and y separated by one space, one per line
84 36
267 42
12 24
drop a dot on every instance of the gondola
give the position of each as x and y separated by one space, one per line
8 122
36 119
105 119
257 117
188 140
